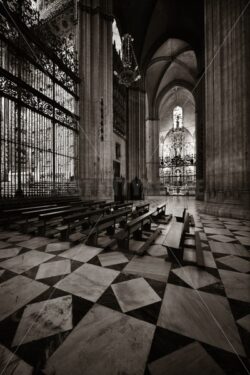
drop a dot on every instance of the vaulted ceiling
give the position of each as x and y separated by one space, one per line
173 64
152 22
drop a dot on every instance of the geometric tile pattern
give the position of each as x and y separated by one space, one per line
88 281
192 357
24 262
50 269
237 263
182 307
78 309
147 266
10 252
237 285
17 292
134 293
227 248
116 344
111 258
195 277
245 322
12 364
43 319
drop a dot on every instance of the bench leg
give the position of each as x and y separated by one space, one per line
137 234
124 244
110 231
123 223
175 255
65 235
147 226
92 239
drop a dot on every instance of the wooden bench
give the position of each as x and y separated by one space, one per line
191 219
134 227
107 223
199 252
32 215
121 206
175 238
161 209
149 242
57 216
180 215
79 220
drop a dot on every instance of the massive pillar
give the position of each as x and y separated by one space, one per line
136 153
227 49
152 161
96 99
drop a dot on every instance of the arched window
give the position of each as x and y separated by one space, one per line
178 117
116 38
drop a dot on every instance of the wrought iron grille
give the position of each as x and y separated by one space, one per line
38 114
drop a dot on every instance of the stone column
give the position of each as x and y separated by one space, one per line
136 152
96 99
152 157
227 52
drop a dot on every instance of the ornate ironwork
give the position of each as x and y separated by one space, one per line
38 108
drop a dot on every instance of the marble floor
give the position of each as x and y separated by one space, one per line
73 309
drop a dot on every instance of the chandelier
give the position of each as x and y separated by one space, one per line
130 70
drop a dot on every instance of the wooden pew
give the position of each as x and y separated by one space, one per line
149 242
191 219
33 216
107 223
142 208
54 217
161 209
175 238
180 215
121 206
199 252
79 220
134 227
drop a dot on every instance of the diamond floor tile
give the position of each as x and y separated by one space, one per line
237 285
10 252
157 251
147 266
26 261
35 243
111 258
227 248
11 364
182 308
235 262
57 246
219 231
193 358
88 281
243 240
81 253
134 294
51 269
245 322
222 238
44 319
105 342
195 277
17 292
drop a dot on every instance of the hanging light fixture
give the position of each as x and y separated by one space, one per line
130 70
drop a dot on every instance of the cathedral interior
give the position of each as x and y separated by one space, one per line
124 187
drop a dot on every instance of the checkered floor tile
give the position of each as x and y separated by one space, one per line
76 309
